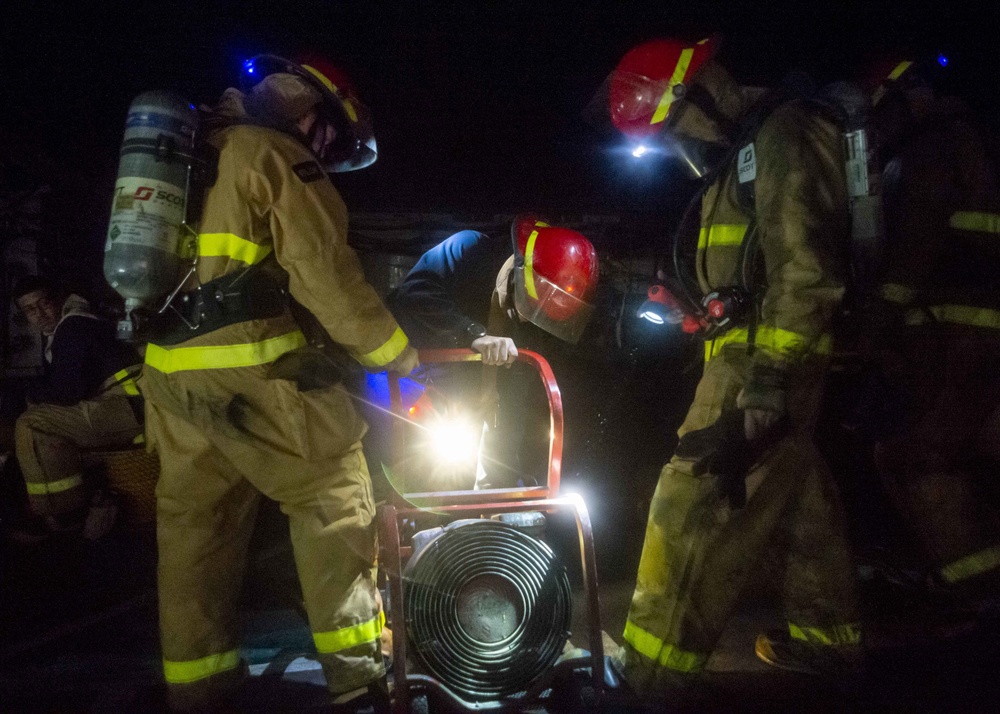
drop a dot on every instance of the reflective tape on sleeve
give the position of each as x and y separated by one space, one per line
182 359
970 566
774 340
347 637
683 62
44 488
849 634
197 669
390 350
229 245
975 221
666 655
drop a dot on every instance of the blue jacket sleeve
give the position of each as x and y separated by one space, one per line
449 288
82 350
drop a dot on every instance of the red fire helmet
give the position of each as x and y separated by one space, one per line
649 78
556 274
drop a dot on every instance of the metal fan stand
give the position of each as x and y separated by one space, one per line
394 552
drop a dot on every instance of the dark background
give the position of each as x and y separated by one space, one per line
478 106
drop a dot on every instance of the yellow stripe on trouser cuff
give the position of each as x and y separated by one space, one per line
665 655
36 488
837 635
228 245
972 565
193 670
128 384
182 359
772 339
390 350
957 315
975 221
347 637
676 78
721 234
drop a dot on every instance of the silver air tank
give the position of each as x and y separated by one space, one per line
146 246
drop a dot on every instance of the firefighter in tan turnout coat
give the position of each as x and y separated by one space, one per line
238 407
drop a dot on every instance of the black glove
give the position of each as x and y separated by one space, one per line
723 451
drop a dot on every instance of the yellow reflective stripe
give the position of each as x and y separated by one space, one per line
676 78
975 221
36 488
127 384
228 245
193 670
333 88
721 234
665 655
965 315
837 635
140 439
972 565
390 350
529 263
183 359
772 339
898 294
899 69
344 638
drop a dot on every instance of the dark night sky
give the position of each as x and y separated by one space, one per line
477 106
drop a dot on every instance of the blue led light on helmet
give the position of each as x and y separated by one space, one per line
248 66
942 60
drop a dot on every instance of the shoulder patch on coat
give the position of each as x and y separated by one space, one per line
309 171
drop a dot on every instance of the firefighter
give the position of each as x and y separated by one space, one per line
87 399
238 405
936 328
473 290
547 281
770 262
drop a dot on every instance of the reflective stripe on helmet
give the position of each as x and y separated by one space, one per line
895 74
333 88
347 637
676 78
529 272
229 245
197 669
664 654
185 359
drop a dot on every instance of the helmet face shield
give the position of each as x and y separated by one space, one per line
554 309
354 146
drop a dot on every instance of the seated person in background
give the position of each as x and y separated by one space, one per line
475 291
87 399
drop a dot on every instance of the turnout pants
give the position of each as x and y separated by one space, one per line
698 553
942 468
49 439
207 499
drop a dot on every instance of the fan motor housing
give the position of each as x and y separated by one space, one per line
487 607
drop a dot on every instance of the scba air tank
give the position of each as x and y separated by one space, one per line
147 240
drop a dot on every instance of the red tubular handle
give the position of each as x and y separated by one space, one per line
551 391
